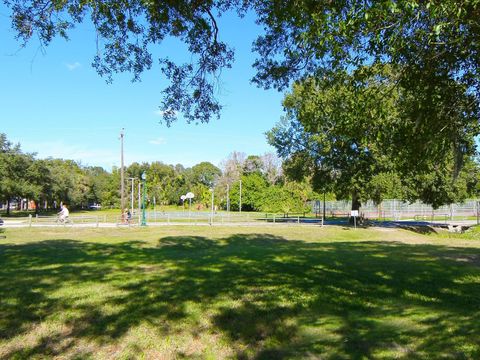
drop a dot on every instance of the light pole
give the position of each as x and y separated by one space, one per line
122 181
139 200
144 182
240 200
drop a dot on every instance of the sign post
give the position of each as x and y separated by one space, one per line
354 213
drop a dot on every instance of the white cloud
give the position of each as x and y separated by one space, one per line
158 141
73 66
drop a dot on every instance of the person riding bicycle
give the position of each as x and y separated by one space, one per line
127 216
64 213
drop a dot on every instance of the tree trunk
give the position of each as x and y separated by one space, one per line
8 207
355 206
37 204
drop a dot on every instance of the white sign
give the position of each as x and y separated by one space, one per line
354 213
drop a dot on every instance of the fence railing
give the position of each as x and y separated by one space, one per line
387 210
169 218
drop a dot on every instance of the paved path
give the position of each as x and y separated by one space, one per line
20 223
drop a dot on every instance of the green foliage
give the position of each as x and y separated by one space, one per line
253 187
129 29
438 188
205 173
288 199
333 135
432 46
385 186
20 176
347 135
253 164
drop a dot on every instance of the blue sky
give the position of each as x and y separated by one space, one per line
53 103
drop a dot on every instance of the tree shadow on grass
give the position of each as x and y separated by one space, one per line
266 296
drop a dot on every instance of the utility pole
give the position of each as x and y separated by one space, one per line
122 181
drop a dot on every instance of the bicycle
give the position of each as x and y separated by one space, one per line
63 220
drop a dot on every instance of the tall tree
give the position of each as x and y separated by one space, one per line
16 172
253 186
271 167
332 134
40 183
346 132
206 173
253 164
433 45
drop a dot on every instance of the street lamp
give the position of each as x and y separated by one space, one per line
122 180
144 182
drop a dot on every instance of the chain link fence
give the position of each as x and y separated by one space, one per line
400 210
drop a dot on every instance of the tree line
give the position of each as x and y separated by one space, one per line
48 182
382 92
256 183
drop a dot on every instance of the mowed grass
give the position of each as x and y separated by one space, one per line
286 292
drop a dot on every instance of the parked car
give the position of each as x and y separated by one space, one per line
95 207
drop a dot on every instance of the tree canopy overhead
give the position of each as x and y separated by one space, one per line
429 39
431 45
125 32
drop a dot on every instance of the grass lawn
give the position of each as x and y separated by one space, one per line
244 293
